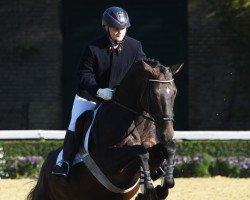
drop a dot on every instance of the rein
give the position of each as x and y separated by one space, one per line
144 116
129 109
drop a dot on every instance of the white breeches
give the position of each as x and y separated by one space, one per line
80 105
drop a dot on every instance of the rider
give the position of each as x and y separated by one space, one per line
102 66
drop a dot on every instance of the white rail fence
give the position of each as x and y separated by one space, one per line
179 135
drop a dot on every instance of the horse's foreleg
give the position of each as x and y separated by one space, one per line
164 152
144 158
168 165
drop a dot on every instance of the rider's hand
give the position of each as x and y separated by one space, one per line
105 93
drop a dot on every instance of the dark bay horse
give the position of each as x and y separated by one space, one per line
131 138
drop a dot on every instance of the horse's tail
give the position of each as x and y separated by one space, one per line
40 192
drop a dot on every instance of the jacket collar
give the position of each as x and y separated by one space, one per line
117 50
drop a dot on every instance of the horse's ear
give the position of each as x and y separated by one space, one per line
146 66
176 68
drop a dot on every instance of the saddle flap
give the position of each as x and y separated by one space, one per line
83 123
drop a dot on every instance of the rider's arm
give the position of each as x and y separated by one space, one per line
86 72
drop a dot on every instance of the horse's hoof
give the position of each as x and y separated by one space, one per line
161 192
149 195
169 182
139 196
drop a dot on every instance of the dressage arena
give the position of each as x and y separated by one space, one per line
216 188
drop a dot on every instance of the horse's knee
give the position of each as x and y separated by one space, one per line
144 156
169 148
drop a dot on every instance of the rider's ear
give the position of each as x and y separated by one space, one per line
176 68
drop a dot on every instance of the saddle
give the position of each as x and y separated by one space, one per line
83 123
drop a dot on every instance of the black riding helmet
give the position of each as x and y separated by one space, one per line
115 17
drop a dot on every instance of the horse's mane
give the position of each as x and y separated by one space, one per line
136 71
135 77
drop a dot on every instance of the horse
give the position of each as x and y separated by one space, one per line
131 139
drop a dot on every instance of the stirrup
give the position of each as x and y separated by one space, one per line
61 169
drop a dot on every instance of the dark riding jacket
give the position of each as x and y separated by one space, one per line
101 66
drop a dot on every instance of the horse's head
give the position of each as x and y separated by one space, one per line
159 96
149 86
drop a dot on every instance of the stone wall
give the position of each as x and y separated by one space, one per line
31 80
30 59
216 100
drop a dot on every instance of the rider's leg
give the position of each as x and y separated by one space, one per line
80 105
62 167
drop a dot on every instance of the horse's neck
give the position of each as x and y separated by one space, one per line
127 99
132 86
131 96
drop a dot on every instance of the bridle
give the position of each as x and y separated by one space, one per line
133 111
144 116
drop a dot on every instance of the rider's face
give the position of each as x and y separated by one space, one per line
117 34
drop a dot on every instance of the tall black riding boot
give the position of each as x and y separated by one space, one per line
63 167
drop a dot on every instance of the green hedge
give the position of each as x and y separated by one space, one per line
29 147
206 165
215 148
194 158
198 166
184 148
